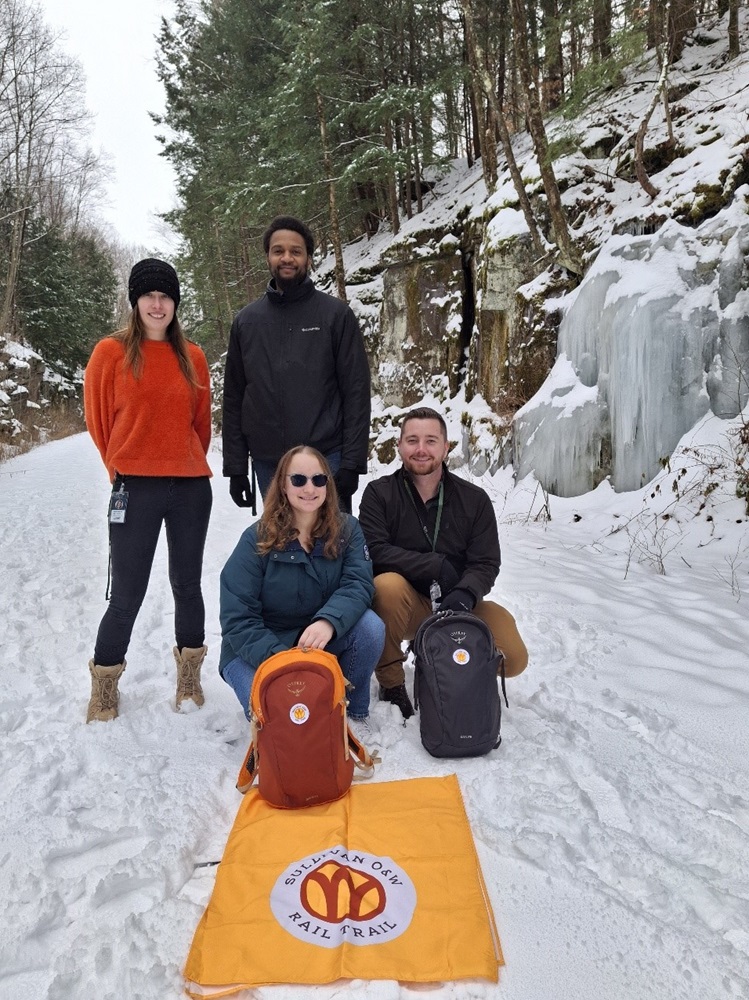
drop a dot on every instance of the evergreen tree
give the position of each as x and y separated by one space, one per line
335 112
66 293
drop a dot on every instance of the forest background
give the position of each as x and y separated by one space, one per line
339 113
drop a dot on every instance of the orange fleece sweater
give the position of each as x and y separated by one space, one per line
156 425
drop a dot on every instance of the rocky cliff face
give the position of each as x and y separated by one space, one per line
36 401
604 377
449 304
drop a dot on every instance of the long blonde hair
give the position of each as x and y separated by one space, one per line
277 522
133 335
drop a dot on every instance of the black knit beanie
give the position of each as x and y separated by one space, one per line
152 275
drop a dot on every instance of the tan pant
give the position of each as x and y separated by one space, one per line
403 609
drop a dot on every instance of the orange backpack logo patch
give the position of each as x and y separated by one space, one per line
299 714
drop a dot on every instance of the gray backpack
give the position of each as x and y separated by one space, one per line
455 685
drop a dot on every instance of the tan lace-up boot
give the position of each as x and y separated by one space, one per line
105 697
189 662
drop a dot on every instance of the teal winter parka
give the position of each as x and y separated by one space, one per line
266 600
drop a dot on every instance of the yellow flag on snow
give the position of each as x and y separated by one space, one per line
382 884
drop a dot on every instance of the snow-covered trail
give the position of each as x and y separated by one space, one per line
612 825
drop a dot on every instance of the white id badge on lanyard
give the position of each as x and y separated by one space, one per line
118 506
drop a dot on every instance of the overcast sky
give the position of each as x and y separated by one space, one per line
116 45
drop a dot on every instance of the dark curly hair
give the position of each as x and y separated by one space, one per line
295 225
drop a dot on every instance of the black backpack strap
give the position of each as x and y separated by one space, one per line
501 672
416 644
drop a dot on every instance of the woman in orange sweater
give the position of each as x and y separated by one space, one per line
148 408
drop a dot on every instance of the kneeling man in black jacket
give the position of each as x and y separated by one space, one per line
432 537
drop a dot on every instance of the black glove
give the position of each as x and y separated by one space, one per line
449 575
347 482
458 600
241 491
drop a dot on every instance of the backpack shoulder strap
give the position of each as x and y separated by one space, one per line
363 759
250 764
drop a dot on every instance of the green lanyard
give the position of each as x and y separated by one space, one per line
440 500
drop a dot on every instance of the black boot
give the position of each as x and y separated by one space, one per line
398 696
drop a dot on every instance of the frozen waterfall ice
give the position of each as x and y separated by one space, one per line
656 335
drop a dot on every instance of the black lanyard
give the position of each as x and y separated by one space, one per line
440 501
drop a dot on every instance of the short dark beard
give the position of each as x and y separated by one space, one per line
417 474
283 285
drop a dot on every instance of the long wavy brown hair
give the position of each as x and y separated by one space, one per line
277 522
133 335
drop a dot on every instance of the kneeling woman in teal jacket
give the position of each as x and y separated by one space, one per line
300 576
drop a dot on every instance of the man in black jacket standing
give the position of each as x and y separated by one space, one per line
296 373
433 538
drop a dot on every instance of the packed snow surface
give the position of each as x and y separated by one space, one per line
612 824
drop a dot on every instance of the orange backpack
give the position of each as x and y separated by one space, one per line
301 749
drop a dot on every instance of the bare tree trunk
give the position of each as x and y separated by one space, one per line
574 50
474 107
516 118
640 171
335 232
452 112
601 30
391 182
681 19
469 115
408 180
11 275
474 55
40 109
418 141
667 116
417 171
733 29
655 24
503 43
224 283
569 256
478 67
552 78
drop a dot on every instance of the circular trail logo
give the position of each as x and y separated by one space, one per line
299 714
461 656
342 895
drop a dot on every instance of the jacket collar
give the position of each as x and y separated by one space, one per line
295 546
447 478
296 294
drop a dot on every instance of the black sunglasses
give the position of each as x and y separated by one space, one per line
319 480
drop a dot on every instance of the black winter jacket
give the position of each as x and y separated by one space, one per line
398 544
296 373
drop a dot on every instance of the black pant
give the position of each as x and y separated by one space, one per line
183 504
